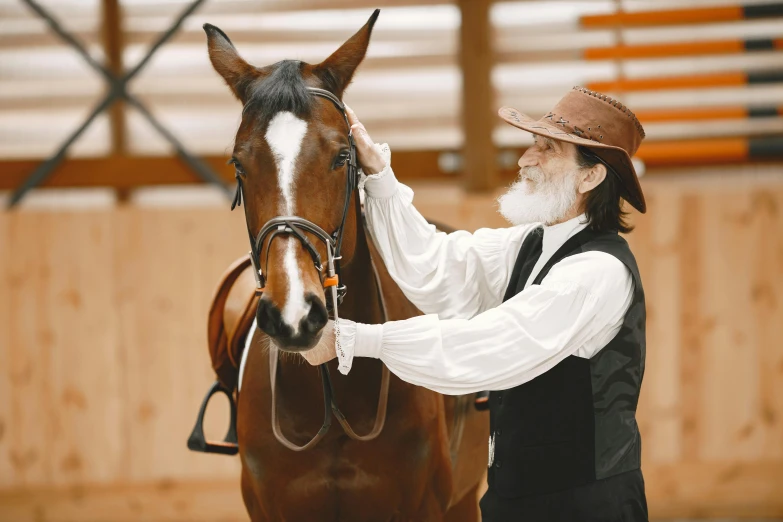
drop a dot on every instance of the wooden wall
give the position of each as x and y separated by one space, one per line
103 360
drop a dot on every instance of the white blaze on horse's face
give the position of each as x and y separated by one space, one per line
284 136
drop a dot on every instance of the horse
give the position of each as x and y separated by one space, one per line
293 154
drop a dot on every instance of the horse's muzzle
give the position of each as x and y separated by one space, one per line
288 337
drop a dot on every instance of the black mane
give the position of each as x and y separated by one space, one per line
283 90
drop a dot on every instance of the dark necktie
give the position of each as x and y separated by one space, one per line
528 256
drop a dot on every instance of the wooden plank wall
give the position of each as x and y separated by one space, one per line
103 362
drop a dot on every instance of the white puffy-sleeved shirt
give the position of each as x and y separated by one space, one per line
470 340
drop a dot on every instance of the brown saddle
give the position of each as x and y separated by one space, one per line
230 318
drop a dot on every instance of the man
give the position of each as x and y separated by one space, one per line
549 314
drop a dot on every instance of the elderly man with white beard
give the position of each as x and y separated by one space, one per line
547 314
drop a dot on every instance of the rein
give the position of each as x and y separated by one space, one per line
297 226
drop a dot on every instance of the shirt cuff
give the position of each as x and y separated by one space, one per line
383 184
369 340
356 340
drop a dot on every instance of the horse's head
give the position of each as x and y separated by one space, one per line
292 152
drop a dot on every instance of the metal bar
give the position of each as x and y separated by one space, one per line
76 44
165 37
47 167
199 167
55 26
117 88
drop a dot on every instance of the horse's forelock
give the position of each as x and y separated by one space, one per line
283 90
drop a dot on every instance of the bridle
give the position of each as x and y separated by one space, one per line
297 226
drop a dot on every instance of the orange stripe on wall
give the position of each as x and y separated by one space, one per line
669 17
672 82
706 113
664 50
693 152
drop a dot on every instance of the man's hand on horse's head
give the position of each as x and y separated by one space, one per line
369 156
325 350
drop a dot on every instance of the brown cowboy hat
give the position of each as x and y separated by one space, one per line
596 121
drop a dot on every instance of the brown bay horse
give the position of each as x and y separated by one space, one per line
293 153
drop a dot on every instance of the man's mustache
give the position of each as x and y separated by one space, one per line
534 174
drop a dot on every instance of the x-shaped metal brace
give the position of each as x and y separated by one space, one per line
117 89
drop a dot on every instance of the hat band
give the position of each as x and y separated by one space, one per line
593 132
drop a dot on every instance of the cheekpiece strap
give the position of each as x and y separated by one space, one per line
238 194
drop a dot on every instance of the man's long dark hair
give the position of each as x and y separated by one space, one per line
604 204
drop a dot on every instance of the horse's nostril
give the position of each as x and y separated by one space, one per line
270 320
317 316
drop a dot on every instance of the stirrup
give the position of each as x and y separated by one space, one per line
197 441
481 401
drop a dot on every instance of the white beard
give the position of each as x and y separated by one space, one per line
538 200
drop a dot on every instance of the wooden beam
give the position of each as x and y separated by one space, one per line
112 44
44 39
241 36
131 171
232 7
126 173
117 172
478 112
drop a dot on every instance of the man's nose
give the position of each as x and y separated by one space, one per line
528 159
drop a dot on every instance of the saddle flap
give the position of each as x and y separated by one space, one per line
230 317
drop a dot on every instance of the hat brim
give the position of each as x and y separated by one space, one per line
616 157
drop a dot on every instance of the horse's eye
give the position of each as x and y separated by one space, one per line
237 166
341 159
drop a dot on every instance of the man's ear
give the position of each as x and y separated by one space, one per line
337 71
593 177
237 73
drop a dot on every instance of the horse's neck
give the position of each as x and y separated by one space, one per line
363 301
370 277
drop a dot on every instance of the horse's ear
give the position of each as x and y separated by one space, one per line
337 70
237 73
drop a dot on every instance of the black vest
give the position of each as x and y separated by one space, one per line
576 423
